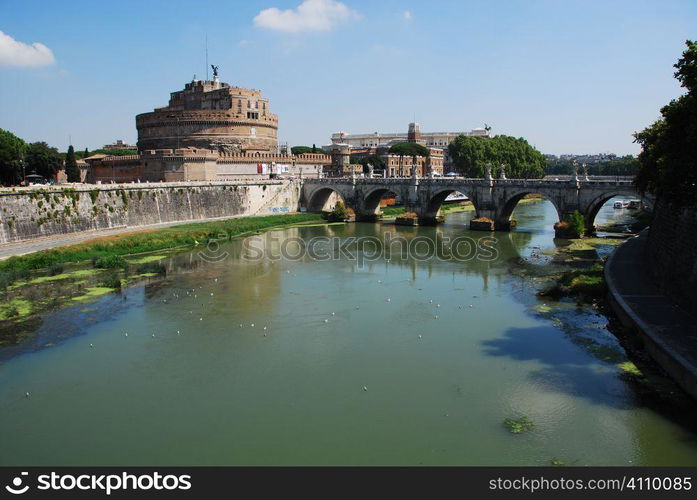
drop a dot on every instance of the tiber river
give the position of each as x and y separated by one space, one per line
340 375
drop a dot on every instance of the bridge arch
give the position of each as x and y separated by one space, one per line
594 206
323 199
430 211
370 204
505 211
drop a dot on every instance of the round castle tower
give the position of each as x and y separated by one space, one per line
210 115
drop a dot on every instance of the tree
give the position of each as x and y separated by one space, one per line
376 161
12 151
471 155
412 149
71 168
299 150
43 160
669 146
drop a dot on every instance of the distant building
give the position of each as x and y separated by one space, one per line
431 139
413 134
395 165
119 144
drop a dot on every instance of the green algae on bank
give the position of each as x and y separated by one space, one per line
15 309
94 292
145 259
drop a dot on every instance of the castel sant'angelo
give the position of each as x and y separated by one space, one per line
209 131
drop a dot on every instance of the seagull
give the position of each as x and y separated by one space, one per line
379 281
28 395
358 307
435 317
153 335
437 305
471 305
200 319
333 314
387 299
178 332
365 388
211 294
264 328
419 336
252 325
91 345
240 325
326 321
430 301
125 334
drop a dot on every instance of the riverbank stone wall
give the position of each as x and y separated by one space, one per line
29 213
672 253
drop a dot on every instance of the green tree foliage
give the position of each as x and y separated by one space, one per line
12 151
409 149
625 165
43 159
471 154
299 150
376 161
71 168
669 145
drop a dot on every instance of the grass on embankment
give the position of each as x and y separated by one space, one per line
108 249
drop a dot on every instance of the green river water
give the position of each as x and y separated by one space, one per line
340 375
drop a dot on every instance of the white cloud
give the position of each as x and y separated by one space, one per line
311 15
14 53
406 15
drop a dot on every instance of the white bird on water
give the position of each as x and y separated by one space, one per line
91 345
28 395
388 299
326 321
125 334
365 388
252 325
333 314
264 328
419 336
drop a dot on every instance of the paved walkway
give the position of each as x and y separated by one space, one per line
670 332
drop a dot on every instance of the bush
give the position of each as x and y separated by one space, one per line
109 262
573 226
11 275
340 213
55 270
111 280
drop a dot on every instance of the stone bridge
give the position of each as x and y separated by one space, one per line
492 198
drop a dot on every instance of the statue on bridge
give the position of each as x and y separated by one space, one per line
503 171
487 167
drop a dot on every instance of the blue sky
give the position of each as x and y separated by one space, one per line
571 77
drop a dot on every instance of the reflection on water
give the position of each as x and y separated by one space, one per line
446 350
